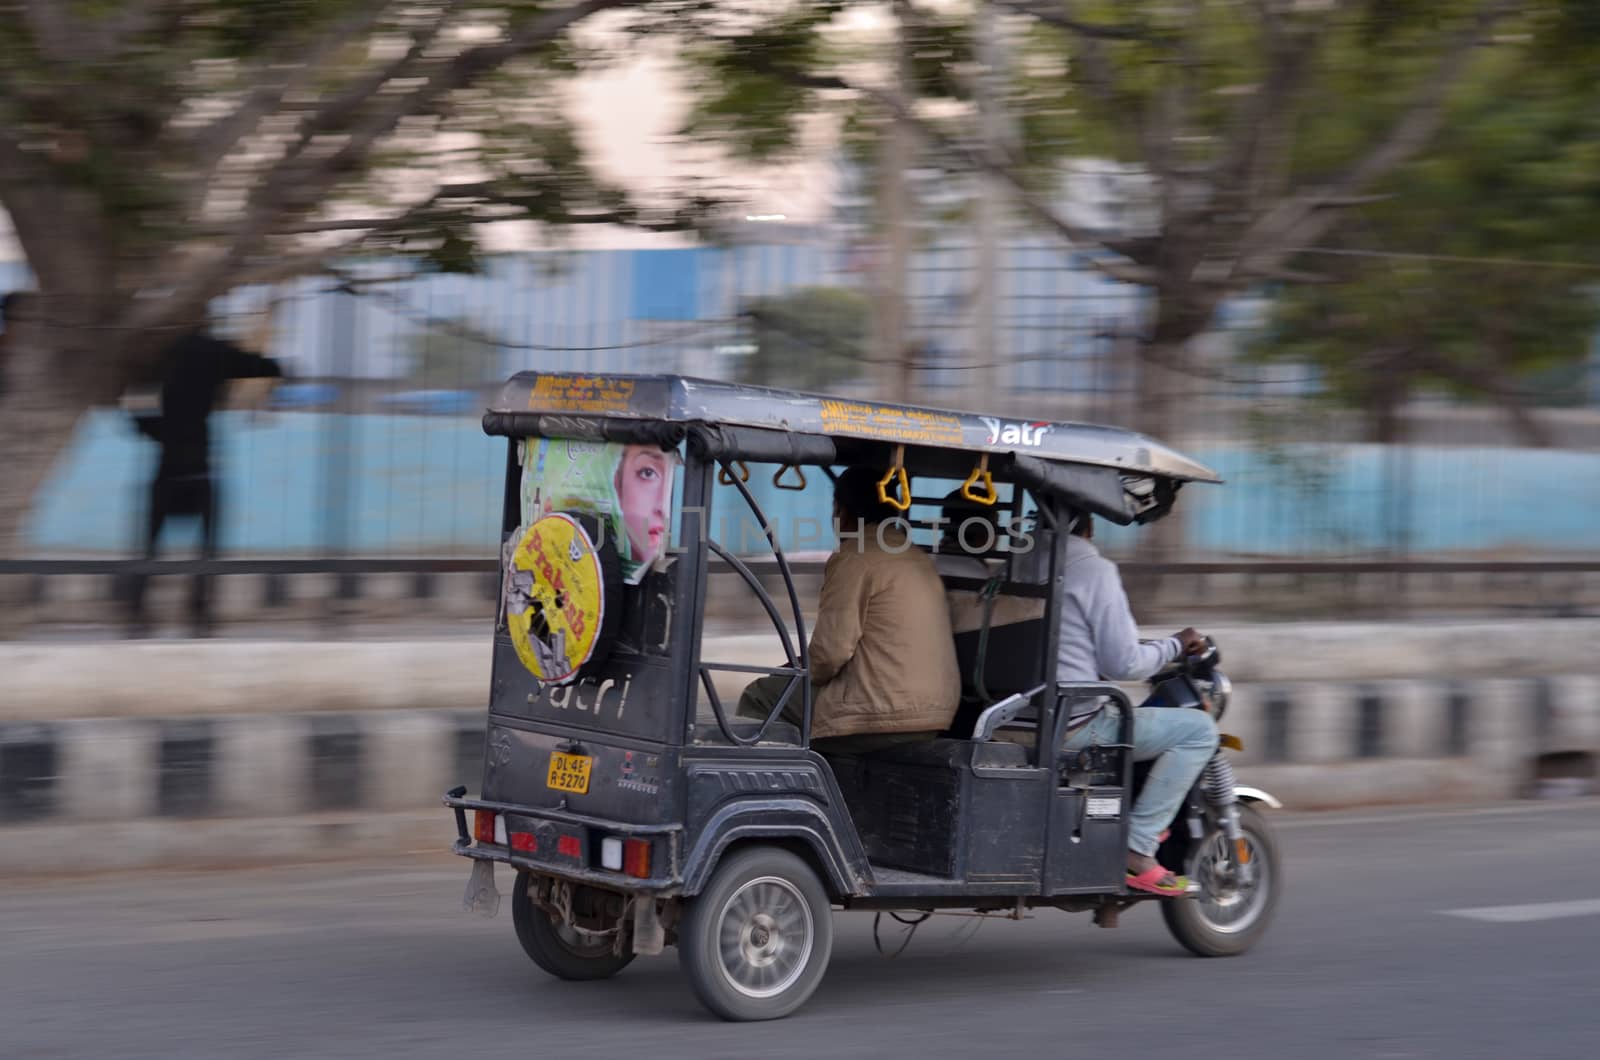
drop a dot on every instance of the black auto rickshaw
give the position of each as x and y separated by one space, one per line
637 810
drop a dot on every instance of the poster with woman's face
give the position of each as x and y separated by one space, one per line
627 487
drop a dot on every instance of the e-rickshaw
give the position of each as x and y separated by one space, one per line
638 809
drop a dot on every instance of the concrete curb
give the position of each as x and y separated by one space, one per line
84 847
178 678
168 679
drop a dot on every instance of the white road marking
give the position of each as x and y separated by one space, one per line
1287 818
1522 914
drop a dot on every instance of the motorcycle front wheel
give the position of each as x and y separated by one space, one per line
1230 914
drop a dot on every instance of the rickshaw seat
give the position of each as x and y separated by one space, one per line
1010 664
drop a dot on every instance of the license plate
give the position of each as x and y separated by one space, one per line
570 773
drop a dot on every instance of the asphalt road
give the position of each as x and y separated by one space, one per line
1369 957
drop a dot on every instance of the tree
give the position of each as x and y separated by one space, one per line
1236 116
812 338
1476 274
1253 128
453 353
155 154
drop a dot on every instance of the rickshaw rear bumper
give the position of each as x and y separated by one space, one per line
665 844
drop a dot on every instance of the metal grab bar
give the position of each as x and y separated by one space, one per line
998 714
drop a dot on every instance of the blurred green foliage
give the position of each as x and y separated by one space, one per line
812 338
453 353
1228 110
1478 275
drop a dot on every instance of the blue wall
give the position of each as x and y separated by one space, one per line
431 485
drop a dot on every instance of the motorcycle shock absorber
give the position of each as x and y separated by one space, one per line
1218 784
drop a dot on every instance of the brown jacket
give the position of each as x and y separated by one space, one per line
882 656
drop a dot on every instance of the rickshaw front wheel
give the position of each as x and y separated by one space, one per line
755 943
560 949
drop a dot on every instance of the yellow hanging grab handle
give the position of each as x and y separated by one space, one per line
725 476
777 479
989 498
902 502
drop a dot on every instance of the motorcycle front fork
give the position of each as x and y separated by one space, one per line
1199 813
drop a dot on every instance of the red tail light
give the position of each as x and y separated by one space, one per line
483 826
569 847
524 842
636 858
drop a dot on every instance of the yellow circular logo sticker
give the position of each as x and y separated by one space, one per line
555 598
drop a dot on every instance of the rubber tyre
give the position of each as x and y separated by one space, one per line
754 872
555 954
1186 917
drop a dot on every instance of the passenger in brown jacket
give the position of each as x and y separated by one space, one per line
883 660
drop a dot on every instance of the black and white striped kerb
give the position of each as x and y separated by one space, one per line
279 764
274 591
186 773
336 759
120 769
29 768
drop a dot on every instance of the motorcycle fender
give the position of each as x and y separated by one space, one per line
1257 795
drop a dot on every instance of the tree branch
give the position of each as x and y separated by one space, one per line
1256 153
1126 270
111 35
1493 384
310 182
1164 121
25 186
1060 16
49 22
1271 19
1303 219
1422 119
296 184
478 194
216 141
334 114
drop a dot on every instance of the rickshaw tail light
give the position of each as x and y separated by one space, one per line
569 847
636 858
524 842
483 825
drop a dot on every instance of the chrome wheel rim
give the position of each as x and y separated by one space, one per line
764 937
1228 905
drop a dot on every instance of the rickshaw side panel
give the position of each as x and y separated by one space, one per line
951 809
784 795
1088 841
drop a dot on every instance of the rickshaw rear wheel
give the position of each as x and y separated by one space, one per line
1228 917
559 948
755 943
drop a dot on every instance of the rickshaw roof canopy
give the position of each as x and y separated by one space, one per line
671 399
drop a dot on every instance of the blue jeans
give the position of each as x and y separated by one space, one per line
1181 741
